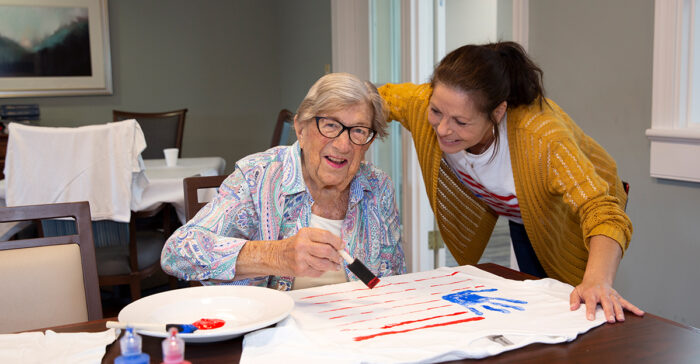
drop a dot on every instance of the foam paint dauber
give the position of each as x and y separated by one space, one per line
202 324
360 270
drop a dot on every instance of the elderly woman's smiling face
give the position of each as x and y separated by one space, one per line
331 163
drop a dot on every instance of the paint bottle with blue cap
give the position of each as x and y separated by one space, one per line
130 345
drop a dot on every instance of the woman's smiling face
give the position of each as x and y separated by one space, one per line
459 125
332 162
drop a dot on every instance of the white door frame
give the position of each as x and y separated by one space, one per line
416 66
350 53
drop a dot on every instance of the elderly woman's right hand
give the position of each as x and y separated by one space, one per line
308 253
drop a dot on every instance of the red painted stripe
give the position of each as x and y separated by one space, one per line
446 275
417 303
367 337
448 283
388 326
351 307
332 293
387 316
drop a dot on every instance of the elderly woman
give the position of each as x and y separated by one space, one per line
280 218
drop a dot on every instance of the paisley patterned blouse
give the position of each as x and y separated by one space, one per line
265 198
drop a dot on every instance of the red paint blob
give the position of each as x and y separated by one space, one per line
208 324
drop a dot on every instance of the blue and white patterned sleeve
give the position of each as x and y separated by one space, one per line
391 250
207 246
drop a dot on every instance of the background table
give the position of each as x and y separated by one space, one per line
165 183
648 339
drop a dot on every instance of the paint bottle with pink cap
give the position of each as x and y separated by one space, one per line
174 349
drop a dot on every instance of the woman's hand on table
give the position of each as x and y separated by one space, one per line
596 286
593 293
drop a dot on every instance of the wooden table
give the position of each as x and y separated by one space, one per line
648 339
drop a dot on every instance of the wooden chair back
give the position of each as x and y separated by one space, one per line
192 185
284 129
161 129
48 281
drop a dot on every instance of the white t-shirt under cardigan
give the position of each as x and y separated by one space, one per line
331 276
490 179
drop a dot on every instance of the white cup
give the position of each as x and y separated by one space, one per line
170 156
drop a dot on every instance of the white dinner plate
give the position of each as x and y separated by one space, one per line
243 308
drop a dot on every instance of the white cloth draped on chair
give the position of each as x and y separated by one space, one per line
96 163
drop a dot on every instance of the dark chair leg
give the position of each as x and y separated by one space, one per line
135 287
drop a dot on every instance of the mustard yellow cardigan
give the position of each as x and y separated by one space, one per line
566 183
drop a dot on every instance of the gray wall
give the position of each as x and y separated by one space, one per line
303 47
597 62
233 64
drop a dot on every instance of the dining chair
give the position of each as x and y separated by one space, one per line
192 185
98 164
139 259
161 129
48 281
126 253
283 133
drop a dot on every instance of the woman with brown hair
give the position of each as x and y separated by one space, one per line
489 143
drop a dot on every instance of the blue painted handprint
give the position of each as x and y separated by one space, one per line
469 300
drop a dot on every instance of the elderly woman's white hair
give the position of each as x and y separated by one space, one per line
336 91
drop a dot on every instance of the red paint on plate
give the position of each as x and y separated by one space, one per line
208 324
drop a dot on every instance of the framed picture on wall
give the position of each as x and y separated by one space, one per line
54 48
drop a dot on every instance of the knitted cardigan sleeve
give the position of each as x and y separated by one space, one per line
405 102
574 177
579 171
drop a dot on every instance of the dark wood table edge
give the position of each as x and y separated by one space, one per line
112 350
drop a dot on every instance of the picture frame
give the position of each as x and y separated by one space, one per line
67 54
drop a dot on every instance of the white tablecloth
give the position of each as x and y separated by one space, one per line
164 184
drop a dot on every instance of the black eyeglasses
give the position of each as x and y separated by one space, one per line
331 128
